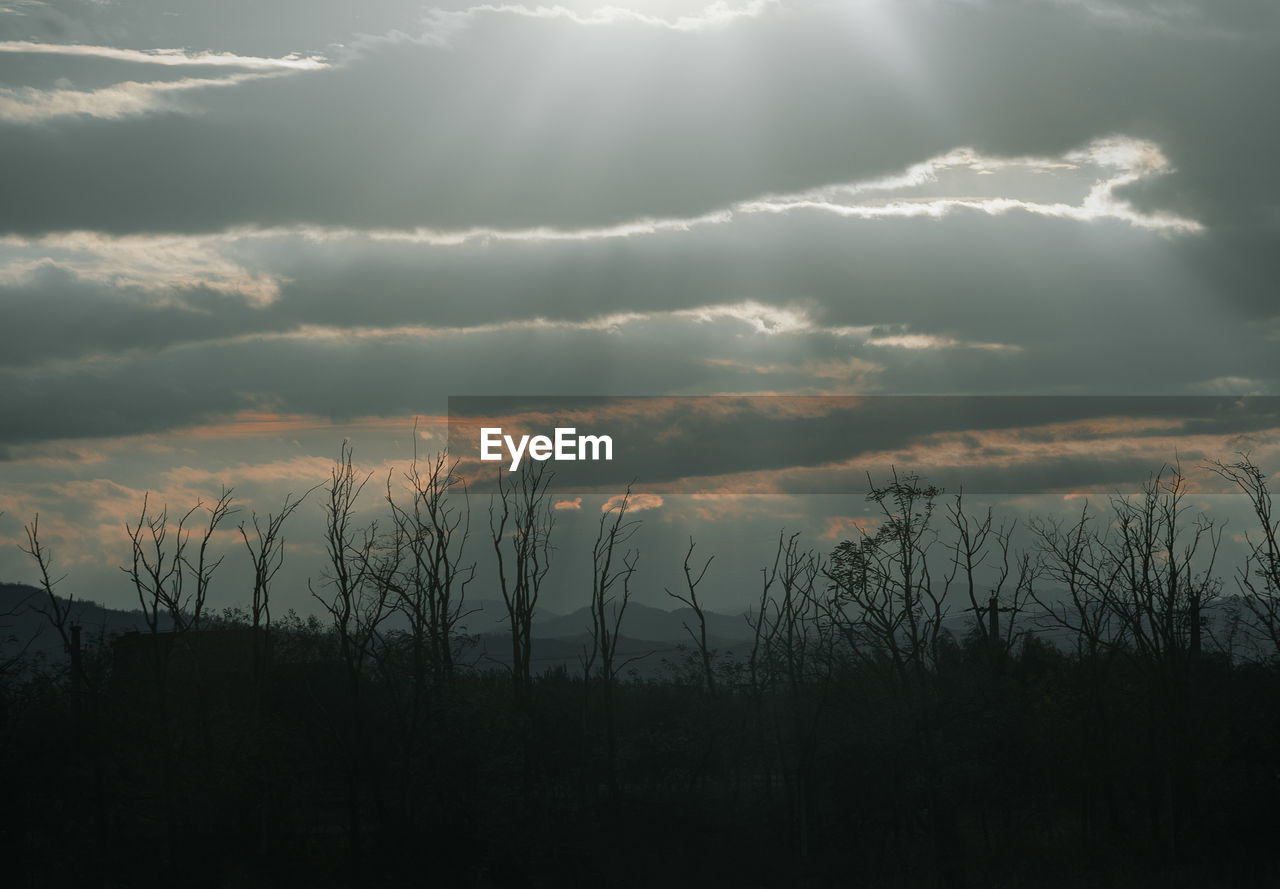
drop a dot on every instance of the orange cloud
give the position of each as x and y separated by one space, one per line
638 502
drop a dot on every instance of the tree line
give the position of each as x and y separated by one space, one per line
854 739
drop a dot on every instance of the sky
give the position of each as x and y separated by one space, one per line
234 235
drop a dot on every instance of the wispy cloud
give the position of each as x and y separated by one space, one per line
920 341
1120 159
158 264
444 23
1100 169
637 502
758 317
167 57
128 99
131 98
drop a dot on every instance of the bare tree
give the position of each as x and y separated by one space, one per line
609 600
762 628
360 578
266 552
1259 578
797 642
266 546
979 544
1073 555
884 598
1166 576
690 599
161 565
56 610
156 572
204 564
435 528
1136 588
789 629
610 594
173 581
521 518
358 573
1165 569
59 614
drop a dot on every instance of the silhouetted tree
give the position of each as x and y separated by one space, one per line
690 598
359 577
1259 578
521 518
56 610
610 594
884 597
979 544
435 528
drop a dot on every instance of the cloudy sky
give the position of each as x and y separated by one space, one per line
234 234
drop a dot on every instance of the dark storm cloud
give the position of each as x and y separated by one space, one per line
57 315
243 26
1070 298
521 121
341 379
526 121
508 121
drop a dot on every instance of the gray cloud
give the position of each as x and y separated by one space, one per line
797 303
576 201
528 121
523 121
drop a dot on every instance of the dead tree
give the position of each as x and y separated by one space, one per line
610 594
172 581
1259 578
57 611
797 647
886 606
434 528
520 520
355 589
203 565
266 547
1166 577
266 552
1165 567
358 572
884 601
690 599
980 544
167 578
1073 555
759 672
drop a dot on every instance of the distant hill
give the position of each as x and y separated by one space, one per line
647 622
489 616
559 638
649 634
24 626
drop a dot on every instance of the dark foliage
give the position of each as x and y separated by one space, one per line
857 742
